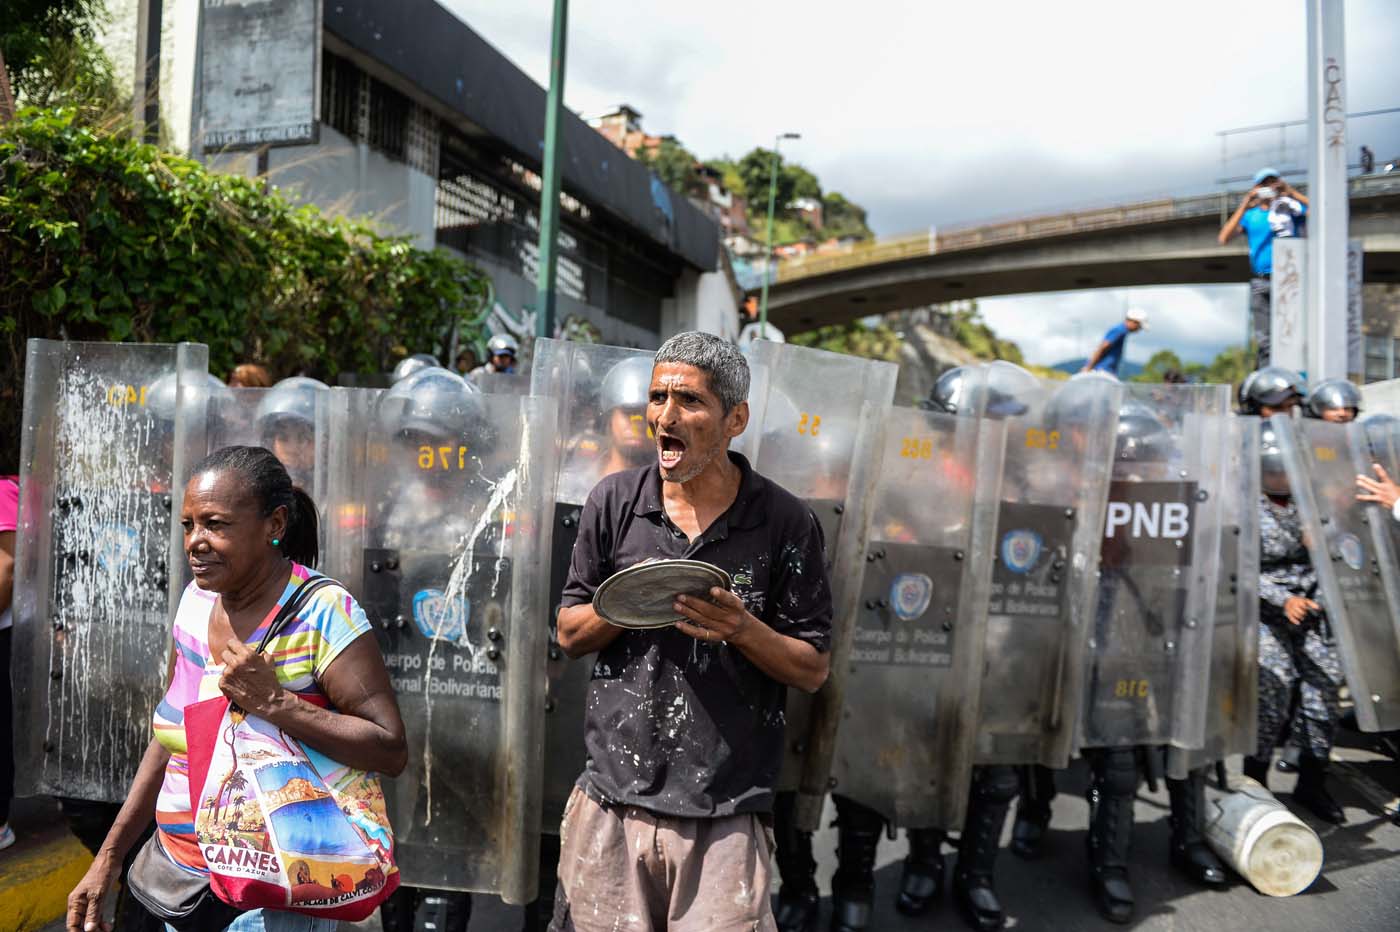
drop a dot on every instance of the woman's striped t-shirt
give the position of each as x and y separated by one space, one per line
324 627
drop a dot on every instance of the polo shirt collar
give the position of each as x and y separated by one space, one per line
747 511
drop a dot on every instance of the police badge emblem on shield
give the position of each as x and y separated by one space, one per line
1020 550
118 546
910 594
1350 550
437 618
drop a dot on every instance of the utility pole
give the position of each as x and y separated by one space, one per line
7 99
768 240
547 270
145 98
1328 215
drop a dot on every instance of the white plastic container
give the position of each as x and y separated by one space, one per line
1262 840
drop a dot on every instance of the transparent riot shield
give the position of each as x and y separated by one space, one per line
92 571
601 397
905 744
816 422
1149 652
1232 700
1381 397
1059 452
1353 555
289 419
439 526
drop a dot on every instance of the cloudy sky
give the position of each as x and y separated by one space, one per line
945 112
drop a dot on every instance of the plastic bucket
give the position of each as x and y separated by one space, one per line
1262 840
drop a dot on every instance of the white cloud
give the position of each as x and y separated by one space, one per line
933 111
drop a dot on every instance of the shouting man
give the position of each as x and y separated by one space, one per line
667 826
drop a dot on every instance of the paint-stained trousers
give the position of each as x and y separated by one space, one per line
625 869
1296 660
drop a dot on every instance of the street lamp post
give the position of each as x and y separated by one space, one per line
547 270
768 240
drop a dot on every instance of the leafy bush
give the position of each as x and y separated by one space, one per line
102 238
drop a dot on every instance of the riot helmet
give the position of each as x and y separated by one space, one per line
1142 437
411 365
286 422
1273 476
1078 401
503 344
1270 387
1333 400
1007 388
622 400
162 402
430 406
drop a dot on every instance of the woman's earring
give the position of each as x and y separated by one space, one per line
276 541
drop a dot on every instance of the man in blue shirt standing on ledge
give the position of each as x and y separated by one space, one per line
1110 352
1271 208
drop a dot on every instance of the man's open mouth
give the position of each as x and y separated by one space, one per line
671 449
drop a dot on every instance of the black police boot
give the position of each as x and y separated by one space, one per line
1257 769
853 885
1311 791
921 886
798 900
1111 835
973 888
1033 811
1189 852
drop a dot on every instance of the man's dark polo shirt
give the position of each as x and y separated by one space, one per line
675 725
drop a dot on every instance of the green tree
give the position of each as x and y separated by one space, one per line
102 238
854 339
1159 365
673 164
754 169
803 183
31 30
841 217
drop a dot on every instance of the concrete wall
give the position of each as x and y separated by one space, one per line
703 301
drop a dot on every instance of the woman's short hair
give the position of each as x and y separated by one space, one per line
265 479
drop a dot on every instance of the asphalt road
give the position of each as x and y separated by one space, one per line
1358 891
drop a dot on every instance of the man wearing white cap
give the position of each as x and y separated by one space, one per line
1272 208
1110 352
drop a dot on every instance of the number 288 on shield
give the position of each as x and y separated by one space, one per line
443 457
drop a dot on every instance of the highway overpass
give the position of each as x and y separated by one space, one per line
1162 242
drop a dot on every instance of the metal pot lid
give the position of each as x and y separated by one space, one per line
641 596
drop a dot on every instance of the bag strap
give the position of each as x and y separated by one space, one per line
294 604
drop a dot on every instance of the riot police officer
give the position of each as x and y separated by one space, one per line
501 351
412 365
286 425
1270 390
1335 400
1299 673
1143 443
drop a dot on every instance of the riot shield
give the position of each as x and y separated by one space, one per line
1059 452
289 419
601 397
92 591
904 747
439 495
1353 555
816 422
1149 652
1232 700
1381 397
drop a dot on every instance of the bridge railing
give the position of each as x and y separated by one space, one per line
979 235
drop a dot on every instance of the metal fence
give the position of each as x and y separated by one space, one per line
979 235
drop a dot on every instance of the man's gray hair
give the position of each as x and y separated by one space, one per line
719 359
